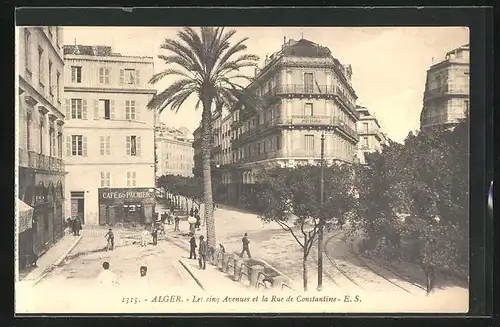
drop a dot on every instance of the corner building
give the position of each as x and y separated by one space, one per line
109 136
306 93
39 127
174 151
446 97
371 137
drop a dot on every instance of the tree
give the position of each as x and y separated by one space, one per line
208 67
290 197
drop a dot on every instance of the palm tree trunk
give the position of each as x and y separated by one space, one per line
206 146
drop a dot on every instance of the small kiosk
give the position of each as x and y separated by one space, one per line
126 205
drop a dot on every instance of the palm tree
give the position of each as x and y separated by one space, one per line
208 67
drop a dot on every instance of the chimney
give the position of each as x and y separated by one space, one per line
256 71
284 39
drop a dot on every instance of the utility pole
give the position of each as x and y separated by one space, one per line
320 231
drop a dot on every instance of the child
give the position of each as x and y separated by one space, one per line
144 236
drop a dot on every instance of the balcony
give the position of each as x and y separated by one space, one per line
446 90
261 156
31 159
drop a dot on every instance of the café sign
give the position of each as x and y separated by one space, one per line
125 194
311 120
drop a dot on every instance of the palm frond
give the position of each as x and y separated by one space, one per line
184 52
169 71
158 101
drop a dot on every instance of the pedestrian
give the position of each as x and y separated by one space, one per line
107 278
198 219
77 226
202 253
144 237
176 226
110 237
154 233
191 212
69 226
222 249
245 241
192 248
169 218
196 211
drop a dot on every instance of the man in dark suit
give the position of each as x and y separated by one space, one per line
192 248
202 253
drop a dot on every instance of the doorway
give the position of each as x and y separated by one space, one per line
133 212
78 206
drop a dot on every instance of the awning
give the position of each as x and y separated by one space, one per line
25 215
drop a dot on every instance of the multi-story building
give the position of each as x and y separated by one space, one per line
109 136
174 151
40 120
446 96
371 138
305 93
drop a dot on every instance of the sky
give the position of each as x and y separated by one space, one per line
389 63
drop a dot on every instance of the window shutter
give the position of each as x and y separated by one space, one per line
107 76
127 109
84 109
68 146
101 75
84 146
112 109
108 179
133 179
102 145
128 178
68 109
137 80
138 146
128 145
102 179
108 145
133 110
96 109
73 75
122 76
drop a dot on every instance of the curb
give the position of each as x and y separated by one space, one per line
192 274
47 271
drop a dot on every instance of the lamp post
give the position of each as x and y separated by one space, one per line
320 231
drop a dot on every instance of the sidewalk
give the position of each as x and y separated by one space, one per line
52 258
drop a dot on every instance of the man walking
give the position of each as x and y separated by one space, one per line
154 233
198 219
245 243
192 248
110 237
77 226
202 253
176 226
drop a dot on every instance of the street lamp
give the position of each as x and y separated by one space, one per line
320 231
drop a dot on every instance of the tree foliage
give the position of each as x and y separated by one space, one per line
413 200
290 197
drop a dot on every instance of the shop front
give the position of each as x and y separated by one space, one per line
126 205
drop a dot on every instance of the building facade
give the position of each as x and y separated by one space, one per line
305 93
371 137
109 136
40 121
174 151
446 96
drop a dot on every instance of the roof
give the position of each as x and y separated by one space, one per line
94 50
305 48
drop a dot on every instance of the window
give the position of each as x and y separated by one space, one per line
133 145
78 145
308 109
365 128
41 133
130 110
309 143
58 85
278 142
52 140
76 74
59 145
131 178
104 75
258 148
104 109
105 179
365 142
50 78
105 145
40 66
129 76
308 82
27 49
77 109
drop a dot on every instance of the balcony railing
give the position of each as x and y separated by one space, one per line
446 90
261 156
31 159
